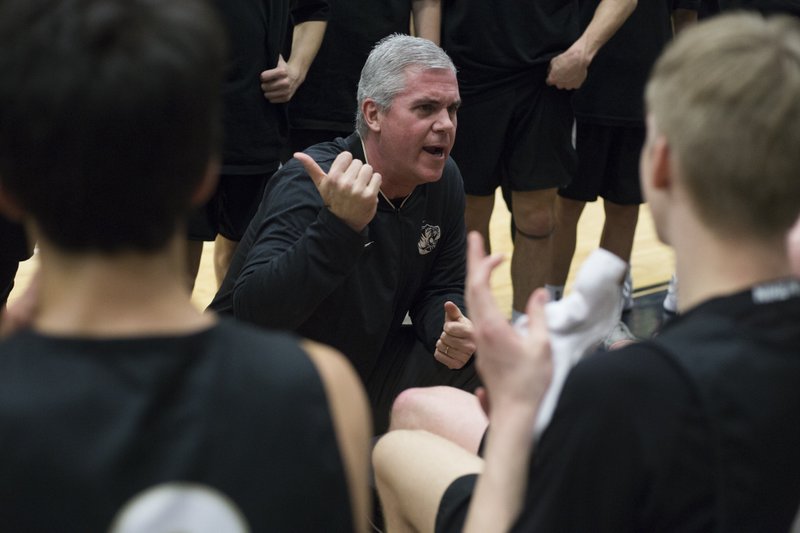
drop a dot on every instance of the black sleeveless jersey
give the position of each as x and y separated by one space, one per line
227 429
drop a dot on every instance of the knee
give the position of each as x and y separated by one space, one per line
407 409
535 223
382 453
384 460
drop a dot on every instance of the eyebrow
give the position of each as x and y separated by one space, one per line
423 101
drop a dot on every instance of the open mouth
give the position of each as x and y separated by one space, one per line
437 151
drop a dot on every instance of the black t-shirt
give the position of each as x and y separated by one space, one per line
87 425
494 43
327 98
694 431
613 93
254 130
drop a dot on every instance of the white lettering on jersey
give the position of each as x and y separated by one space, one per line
184 507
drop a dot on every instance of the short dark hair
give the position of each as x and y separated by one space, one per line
109 115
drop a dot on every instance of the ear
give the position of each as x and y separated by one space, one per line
205 189
372 115
9 206
661 159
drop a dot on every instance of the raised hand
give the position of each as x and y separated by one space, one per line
516 369
457 342
349 189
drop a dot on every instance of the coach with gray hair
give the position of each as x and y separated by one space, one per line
355 234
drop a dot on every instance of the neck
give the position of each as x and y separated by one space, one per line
124 294
392 186
708 266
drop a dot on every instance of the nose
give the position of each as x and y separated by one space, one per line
445 121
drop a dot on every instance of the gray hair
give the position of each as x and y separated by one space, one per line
384 74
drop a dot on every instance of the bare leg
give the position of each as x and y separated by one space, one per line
619 229
413 470
223 254
533 243
568 213
194 251
445 411
617 237
477 214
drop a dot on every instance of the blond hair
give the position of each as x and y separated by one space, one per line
726 95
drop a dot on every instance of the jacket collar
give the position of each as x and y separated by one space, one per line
355 147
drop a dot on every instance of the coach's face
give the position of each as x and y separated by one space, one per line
416 133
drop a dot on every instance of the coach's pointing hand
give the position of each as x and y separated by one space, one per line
349 189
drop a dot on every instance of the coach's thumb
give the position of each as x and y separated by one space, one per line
451 311
311 166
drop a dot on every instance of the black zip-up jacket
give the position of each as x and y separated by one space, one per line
299 267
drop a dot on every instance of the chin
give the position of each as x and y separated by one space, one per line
430 177
431 173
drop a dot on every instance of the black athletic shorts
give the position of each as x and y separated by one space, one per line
455 502
456 498
407 363
608 164
520 136
230 209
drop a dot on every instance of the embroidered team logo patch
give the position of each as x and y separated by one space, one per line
428 239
